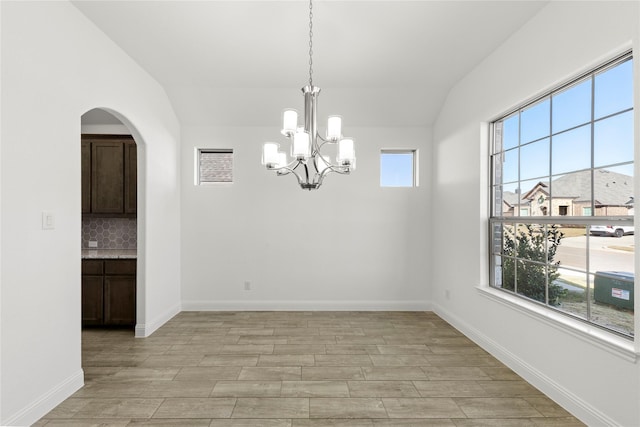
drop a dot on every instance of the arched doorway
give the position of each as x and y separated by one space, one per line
112 288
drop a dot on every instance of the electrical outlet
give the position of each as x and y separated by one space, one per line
247 286
447 294
93 243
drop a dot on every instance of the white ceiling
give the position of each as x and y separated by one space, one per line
239 63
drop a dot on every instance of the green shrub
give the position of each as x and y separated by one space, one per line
528 245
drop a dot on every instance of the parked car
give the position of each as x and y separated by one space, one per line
611 230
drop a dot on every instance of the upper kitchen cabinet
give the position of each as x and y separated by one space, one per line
109 175
86 176
130 177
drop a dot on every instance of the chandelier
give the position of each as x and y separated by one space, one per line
307 163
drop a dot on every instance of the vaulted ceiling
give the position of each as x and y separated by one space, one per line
239 63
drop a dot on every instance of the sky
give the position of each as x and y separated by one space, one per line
553 136
396 169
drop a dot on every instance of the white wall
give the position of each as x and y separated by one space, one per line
595 381
55 66
348 245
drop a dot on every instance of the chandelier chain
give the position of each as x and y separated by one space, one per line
310 42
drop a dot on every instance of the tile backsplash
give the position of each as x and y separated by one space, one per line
110 233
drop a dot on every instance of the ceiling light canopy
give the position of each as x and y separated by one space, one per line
306 160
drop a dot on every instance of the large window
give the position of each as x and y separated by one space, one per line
562 206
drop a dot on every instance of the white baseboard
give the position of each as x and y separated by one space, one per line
568 400
45 403
413 305
143 330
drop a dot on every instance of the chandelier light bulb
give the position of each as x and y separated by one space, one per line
346 153
334 128
300 149
270 154
289 122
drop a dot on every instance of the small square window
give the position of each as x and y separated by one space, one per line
398 168
214 165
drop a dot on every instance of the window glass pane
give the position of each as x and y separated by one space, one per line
571 150
215 166
534 160
611 264
535 195
534 122
510 132
572 190
396 169
509 203
530 280
614 90
572 107
567 291
510 166
570 287
613 191
508 239
613 140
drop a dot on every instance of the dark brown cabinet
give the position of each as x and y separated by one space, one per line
86 176
108 292
130 177
109 175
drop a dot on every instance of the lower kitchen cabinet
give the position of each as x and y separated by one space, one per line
92 300
108 292
119 300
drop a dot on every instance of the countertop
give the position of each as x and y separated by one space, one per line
109 253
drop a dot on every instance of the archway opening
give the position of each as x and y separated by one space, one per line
110 237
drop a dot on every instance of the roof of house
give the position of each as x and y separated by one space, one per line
610 188
511 198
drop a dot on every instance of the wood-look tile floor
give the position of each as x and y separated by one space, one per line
299 369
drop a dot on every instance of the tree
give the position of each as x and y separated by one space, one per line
532 261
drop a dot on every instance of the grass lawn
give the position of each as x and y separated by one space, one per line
575 302
573 231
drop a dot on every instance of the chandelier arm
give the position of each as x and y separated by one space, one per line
286 170
324 141
343 170
290 171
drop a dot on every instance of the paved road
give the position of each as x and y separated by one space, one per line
571 253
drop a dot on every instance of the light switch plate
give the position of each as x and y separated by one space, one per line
48 220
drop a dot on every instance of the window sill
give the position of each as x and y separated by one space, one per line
214 184
614 344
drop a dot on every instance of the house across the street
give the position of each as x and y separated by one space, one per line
570 195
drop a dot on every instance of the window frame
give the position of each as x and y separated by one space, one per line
414 166
197 156
559 219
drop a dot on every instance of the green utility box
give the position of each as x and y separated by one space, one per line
614 288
